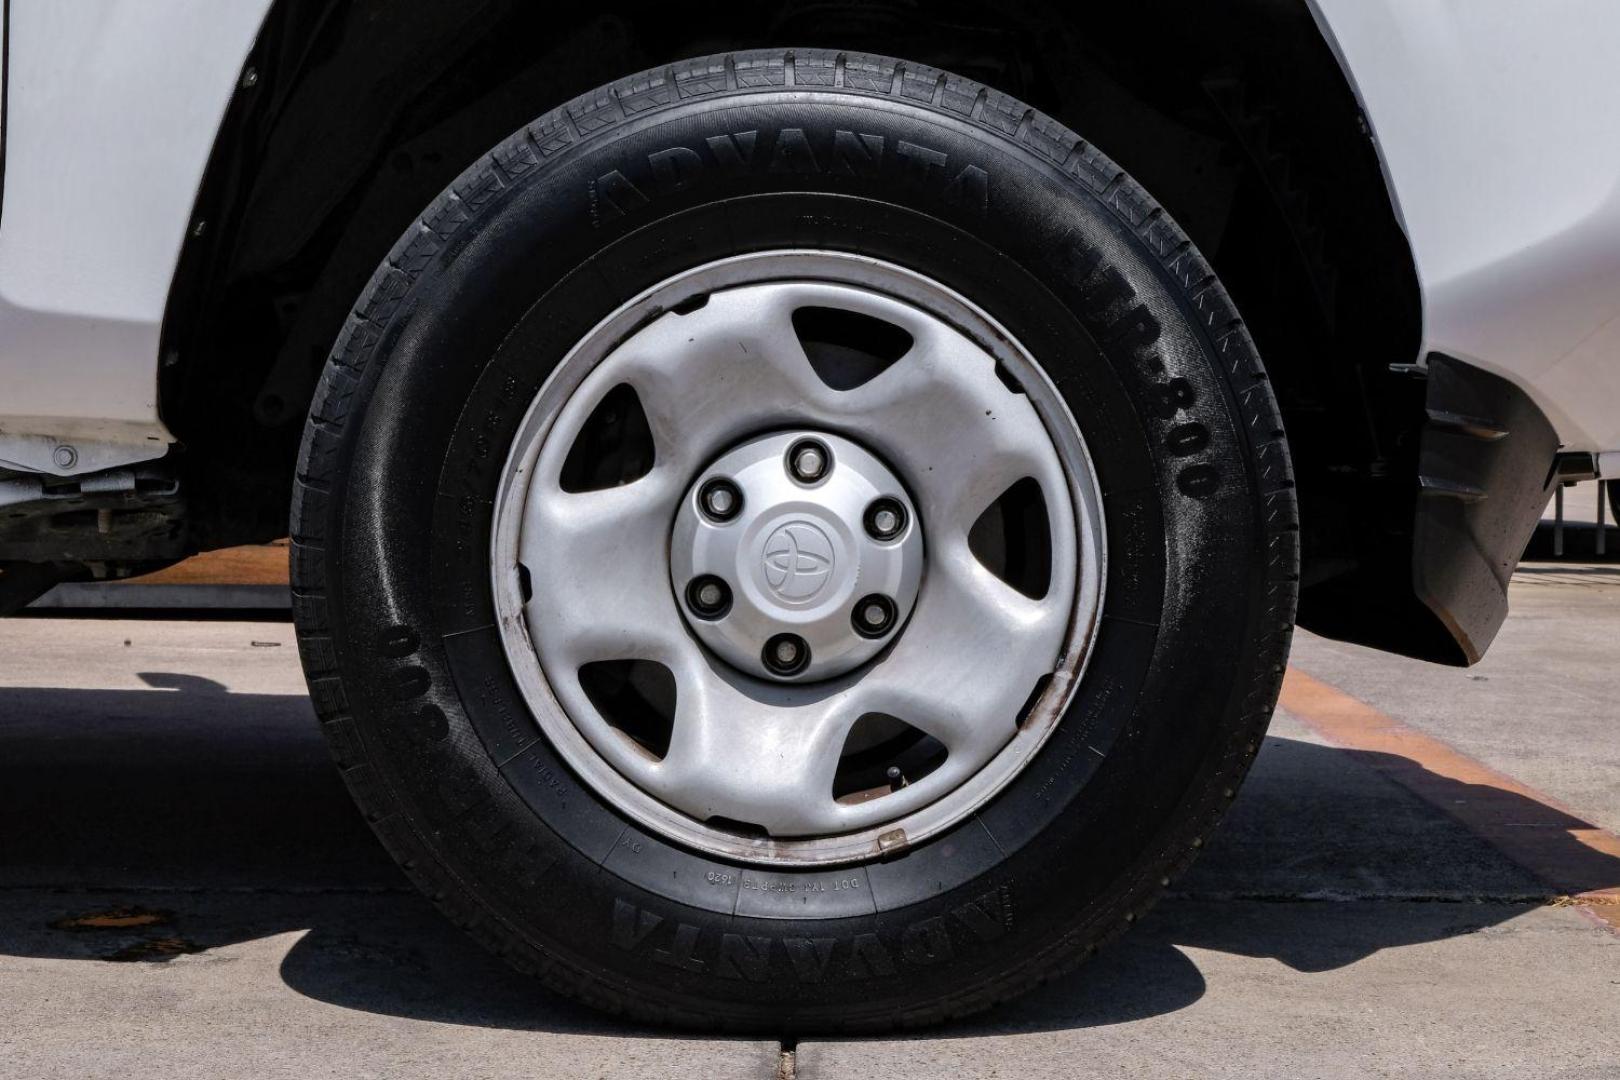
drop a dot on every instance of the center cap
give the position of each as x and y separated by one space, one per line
796 556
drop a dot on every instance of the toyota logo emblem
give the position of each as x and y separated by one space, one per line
798 561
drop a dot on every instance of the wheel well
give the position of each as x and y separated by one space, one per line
1236 116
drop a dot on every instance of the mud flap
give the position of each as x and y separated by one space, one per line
1485 473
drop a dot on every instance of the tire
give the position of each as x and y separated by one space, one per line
557 227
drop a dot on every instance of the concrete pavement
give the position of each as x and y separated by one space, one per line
185 890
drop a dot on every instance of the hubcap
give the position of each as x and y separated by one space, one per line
844 592
798 558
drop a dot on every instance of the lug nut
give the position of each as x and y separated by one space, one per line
873 616
720 500
708 597
885 519
786 654
808 461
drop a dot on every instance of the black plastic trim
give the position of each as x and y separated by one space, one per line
1482 486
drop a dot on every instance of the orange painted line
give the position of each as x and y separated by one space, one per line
1578 862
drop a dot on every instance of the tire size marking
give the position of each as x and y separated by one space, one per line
807 886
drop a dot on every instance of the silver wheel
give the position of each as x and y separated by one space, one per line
786 637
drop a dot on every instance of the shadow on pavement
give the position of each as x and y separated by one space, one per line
144 825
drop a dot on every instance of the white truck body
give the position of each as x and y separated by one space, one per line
1490 119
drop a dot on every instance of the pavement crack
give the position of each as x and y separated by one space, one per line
787 1060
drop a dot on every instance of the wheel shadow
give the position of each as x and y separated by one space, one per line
146 825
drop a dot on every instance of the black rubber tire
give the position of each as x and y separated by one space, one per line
583 209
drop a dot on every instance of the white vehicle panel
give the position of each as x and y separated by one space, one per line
1495 121
111 111
1492 118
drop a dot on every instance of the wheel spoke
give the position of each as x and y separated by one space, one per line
975 649
707 377
766 759
599 569
963 436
